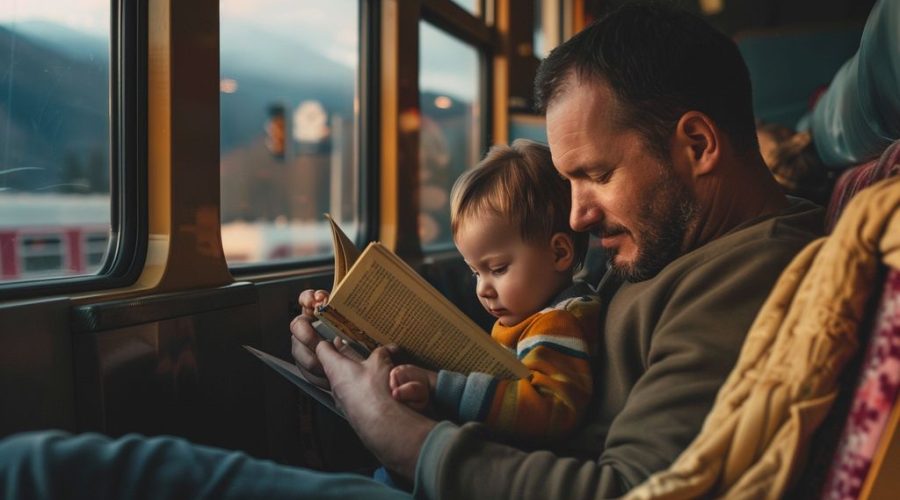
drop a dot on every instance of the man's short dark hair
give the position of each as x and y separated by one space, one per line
660 63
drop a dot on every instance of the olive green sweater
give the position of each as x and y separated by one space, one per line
666 346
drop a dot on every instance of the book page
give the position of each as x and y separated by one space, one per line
345 252
390 302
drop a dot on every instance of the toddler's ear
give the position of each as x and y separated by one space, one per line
563 251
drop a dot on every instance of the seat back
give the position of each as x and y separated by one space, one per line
874 398
850 441
858 178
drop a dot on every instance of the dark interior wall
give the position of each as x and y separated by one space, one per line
36 366
737 16
792 49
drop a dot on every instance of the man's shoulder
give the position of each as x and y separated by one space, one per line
798 224
774 239
801 220
743 263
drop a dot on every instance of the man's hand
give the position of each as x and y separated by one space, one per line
412 385
304 337
393 432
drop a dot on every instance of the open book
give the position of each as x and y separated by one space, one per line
296 377
378 299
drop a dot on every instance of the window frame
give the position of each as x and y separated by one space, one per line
476 31
368 31
458 23
128 237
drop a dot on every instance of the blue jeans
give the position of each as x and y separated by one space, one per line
383 476
52 464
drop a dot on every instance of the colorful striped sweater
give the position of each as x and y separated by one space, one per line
557 345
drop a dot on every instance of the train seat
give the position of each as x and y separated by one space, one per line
859 457
848 442
860 177
865 411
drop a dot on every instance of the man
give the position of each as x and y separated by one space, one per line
649 117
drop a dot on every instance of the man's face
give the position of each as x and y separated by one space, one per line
636 204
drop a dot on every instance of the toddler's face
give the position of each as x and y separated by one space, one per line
515 278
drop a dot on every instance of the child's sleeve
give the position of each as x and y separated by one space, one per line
549 403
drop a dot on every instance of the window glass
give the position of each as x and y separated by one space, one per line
548 26
470 5
54 136
42 254
451 129
94 249
289 112
538 44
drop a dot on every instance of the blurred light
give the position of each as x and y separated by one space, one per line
443 102
710 7
275 130
409 120
228 85
310 122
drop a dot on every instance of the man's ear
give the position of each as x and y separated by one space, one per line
563 251
696 143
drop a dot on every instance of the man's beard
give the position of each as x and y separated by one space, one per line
661 226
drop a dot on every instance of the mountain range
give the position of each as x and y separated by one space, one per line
54 99
53 113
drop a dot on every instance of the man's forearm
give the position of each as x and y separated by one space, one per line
391 430
463 463
396 437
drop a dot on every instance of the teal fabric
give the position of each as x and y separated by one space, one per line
788 67
859 116
527 128
55 465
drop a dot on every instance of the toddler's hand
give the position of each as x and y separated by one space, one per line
310 300
412 385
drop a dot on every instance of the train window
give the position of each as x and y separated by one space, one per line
94 250
54 135
452 126
554 22
289 121
42 254
470 5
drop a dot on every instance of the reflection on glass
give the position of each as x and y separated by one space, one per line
538 36
451 128
54 137
288 126
548 28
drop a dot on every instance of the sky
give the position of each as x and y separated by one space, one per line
308 22
447 65
330 26
91 16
